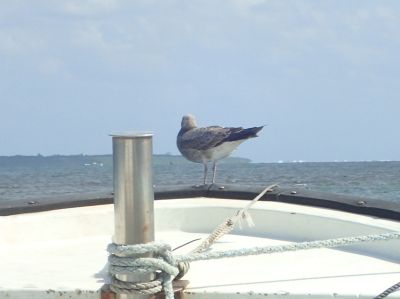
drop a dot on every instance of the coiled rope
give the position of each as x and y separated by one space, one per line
128 259
124 259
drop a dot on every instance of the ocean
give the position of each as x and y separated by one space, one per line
33 177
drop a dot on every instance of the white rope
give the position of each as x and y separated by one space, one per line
229 224
128 259
163 263
330 243
225 227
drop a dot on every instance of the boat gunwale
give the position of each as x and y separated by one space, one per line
347 203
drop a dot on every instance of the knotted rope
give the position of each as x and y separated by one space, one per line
150 258
127 259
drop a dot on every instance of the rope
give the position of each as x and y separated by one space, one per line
229 224
330 243
388 291
225 227
127 259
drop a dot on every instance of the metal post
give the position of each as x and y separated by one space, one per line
133 195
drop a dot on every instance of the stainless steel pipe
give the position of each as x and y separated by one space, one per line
133 195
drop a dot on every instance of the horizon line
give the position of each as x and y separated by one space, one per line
237 157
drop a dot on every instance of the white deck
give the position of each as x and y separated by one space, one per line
62 252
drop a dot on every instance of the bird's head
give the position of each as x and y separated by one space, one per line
188 122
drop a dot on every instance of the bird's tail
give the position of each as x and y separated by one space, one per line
244 133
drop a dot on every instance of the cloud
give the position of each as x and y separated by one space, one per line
51 66
88 35
16 41
89 7
270 61
191 37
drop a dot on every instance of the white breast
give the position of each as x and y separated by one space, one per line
221 151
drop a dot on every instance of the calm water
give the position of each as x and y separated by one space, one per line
35 177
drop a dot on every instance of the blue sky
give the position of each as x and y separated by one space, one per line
323 75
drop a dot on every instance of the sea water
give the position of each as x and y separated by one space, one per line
23 177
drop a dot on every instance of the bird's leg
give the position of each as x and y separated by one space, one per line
205 172
214 171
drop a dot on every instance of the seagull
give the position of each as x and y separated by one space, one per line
210 144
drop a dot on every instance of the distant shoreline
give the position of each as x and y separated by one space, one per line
171 158
101 159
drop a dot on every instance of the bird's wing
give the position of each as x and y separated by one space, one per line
205 138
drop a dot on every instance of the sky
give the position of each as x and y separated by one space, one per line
323 76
